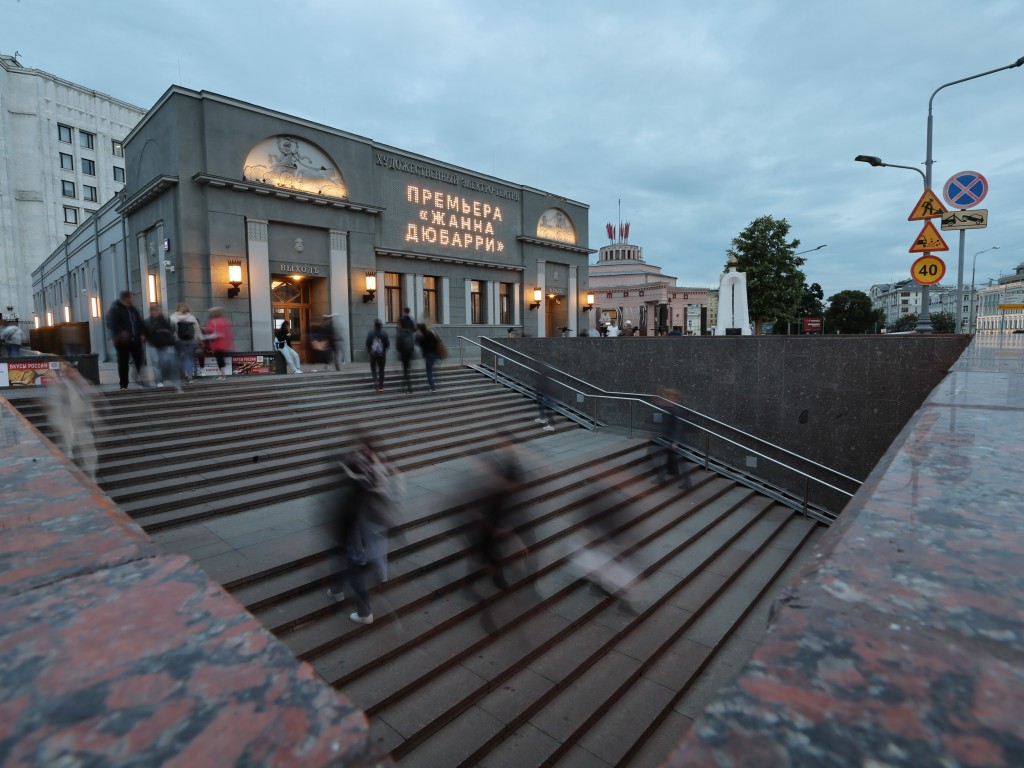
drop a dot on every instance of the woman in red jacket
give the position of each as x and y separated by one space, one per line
218 334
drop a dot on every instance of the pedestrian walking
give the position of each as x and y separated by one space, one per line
377 345
187 335
160 338
12 339
219 337
406 344
492 534
429 347
375 481
325 343
127 333
542 379
283 344
71 411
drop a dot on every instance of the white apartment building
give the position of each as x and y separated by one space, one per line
62 159
943 299
896 299
1007 292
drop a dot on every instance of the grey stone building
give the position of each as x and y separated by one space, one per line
274 218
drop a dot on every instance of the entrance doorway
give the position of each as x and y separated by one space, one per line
290 300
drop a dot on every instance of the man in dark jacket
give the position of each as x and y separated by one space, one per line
406 345
127 333
377 345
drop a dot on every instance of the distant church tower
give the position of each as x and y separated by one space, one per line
733 314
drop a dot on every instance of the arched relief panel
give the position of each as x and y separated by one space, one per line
555 224
292 163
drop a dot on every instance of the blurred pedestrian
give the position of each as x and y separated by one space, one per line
218 335
127 333
406 345
71 412
160 337
428 342
376 481
187 334
325 341
671 431
12 339
492 536
283 344
377 345
542 380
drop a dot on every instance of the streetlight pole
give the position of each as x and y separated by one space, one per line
974 294
924 320
809 250
928 162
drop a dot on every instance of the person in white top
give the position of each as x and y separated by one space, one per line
187 335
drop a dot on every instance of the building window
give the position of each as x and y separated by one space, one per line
119 174
64 133
392 297
68 188
88 167
70 215
67 162
117 148
505 301
476 304
905 293
89 193
430 299
87 140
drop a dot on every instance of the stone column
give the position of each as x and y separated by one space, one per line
257 247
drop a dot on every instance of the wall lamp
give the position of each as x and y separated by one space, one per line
371 287
589 302
538 297
234 277
94 306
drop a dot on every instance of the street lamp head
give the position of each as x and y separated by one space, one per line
869 159
1018 62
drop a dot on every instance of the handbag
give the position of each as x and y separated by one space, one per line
442 350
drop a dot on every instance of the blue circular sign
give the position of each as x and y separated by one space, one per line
965 189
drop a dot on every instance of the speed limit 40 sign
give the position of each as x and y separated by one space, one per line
928 269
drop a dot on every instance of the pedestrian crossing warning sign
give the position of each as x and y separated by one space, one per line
929 240
928 207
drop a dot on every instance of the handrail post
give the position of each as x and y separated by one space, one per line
707 450
595 411
807 493
631 419
462 354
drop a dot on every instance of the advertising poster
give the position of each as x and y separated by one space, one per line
252 365
29 374
209 367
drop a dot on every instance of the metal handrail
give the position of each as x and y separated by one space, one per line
690 410
708 433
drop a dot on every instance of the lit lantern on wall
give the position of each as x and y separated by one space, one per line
152 289
538 297
67 314
94 306
589 302
234 277
371 287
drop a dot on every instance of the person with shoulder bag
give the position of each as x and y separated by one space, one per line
430 346
188 335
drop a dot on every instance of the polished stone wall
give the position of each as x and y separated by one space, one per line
839 400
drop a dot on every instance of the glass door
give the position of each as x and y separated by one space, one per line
289 298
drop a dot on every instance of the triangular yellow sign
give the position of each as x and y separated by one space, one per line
929 240
928 207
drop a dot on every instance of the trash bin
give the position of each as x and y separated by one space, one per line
88 365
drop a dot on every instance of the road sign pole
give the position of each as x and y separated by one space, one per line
960 284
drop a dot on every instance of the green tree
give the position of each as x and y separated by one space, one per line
943 322
851 312
810 306
774 278
904 323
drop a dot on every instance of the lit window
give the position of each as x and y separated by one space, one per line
117 148
70 215
67 162
89 193
119 174
88 167
87 140
392 297
505 298
476 314
430 299
64 133
68 188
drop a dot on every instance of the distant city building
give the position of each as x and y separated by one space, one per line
1008 290
897 299
63 158
943 299
628 290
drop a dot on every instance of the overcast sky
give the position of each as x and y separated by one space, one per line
700 117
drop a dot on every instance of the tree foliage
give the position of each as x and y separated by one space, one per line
942 322
774 278
810 306
851 312
904 323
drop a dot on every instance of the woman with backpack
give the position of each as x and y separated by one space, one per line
188 334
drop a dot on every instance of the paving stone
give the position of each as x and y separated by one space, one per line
617 730
455 742
527 746
656 748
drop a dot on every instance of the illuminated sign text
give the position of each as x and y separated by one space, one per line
452 220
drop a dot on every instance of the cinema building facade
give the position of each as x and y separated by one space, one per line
275 218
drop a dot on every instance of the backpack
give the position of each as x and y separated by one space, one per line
186 330
377 346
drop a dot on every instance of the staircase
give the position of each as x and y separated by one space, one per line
455 672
